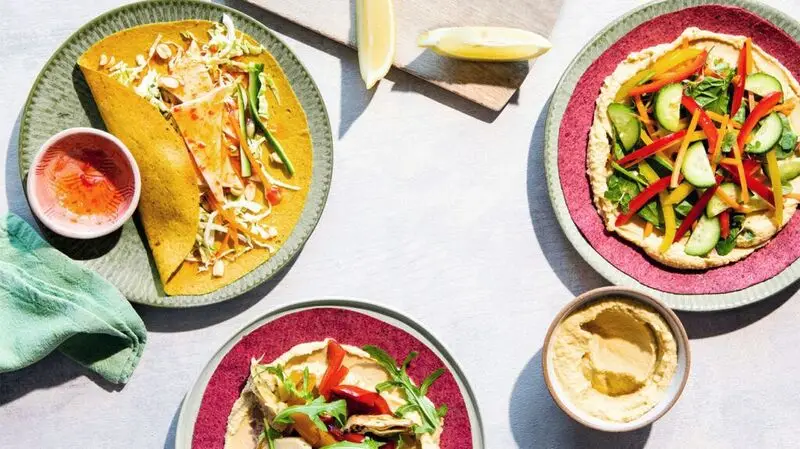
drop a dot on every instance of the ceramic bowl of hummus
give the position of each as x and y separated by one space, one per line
615 359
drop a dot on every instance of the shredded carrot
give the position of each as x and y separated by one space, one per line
718 118
676 170
225 241
637 100
648 229
751 100
697 135
685 43
785 108
794 196
737 155
718 148
728 160
748 49
728 200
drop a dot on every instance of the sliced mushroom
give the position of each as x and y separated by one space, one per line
378 425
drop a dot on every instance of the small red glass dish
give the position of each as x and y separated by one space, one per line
83 183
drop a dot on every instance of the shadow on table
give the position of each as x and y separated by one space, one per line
536 421
355 97
169 443
52 371
15 193
158 319
704 324
565 261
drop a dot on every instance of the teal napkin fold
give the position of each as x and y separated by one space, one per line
49 302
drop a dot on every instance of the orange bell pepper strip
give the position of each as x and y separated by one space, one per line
678 75
642 198
696 210
653 148
705 122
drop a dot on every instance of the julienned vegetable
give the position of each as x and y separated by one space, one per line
643 198
651 149
678 75
252 92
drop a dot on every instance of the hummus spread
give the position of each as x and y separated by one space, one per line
758 228
614 359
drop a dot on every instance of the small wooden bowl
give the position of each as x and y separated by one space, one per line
678 380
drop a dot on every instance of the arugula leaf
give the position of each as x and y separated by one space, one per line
711 93
683 208
650 212
728 141
269 434
366 444
788 140
621 191
305 393
336 410
725 246
630 174
414 395
721 67
426 384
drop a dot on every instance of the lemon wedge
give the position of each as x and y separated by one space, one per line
375 35
485 43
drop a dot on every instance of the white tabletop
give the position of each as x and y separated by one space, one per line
438 209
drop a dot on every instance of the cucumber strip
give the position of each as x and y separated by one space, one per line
704 237
696 168
768 134
715 205
762 84
247 170
253 97
626 125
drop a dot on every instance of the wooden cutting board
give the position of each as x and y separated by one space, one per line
489 84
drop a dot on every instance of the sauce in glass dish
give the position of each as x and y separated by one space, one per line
84 184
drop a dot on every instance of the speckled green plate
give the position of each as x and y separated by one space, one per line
758 276
61 99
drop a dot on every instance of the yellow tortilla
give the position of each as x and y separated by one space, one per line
169 206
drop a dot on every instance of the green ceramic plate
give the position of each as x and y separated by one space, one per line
61 99
583 63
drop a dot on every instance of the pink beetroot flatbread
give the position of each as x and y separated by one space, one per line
346 326
574 135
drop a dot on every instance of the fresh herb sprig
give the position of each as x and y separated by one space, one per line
366 444
314 409
417 400
305 392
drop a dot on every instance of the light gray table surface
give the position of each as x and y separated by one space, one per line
439 209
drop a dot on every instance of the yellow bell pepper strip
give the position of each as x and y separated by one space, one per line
704 121
697 210
653 148
777 189
660 68
759 112
669 223
645 138
697 135
626 87
738 81
719 117
637 100
641 199
676 170
678 75
680 193
649 174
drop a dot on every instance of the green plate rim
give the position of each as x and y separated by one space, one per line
190 405
312 221
561 95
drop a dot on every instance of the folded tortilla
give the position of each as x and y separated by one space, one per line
170 202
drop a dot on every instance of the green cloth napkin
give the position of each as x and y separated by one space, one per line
49 302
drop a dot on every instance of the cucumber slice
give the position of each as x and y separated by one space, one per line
704 237
768 134
789 168
716 206
668 106
626 125
696 168
762 84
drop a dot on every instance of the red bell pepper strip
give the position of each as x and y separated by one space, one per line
335 358
678 75
764 106
649 150
353 437
361 400
696 210
642 198
738 88
751 166
725 224
704 120
752 183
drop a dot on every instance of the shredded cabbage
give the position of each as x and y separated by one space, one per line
148 89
